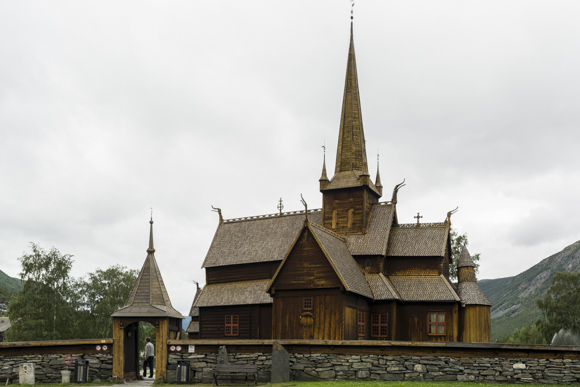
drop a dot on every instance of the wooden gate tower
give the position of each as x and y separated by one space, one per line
148 302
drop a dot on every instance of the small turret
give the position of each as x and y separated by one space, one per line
323 178
465 267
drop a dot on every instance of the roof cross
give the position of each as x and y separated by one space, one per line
418 217
280 206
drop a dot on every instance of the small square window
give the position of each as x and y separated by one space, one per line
232 325
307 303
380 325
436 323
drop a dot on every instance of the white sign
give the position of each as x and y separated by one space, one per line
191 349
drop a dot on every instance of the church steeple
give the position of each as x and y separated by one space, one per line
347 199
351 153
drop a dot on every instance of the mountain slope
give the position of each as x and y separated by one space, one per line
8 283
514 298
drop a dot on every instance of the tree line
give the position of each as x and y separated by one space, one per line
52 305
560 309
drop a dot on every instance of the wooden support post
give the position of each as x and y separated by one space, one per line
118 349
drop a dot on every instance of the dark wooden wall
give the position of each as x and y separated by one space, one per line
475 324
306 267
324 322
361 199
412 321
245 272
413 265
377 263
212 321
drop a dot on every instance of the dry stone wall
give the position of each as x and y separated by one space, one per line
47 367
391 368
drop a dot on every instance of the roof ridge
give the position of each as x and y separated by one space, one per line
322 228
270 216
411 225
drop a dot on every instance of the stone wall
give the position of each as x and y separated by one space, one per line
319 366
202 366
47 367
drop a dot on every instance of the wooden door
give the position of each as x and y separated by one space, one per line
131 351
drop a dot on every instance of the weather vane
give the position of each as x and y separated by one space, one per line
351 9
151 213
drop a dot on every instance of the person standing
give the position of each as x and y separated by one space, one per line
149 354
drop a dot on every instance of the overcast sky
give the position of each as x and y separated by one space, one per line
109 108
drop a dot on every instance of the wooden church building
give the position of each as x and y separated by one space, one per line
348 271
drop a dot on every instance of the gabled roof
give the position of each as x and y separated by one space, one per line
424 288
149 297
234 293
194 311
375 241
335 249
429 240
257 239
336 252
382 288
471 294
192 327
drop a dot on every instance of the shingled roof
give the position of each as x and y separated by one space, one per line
418 241
341 260
471 294
256 239
424 288
465 258
149 297
375 241
381 287
234 293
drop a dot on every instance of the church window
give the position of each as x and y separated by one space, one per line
334 219
350 217
307 303
232 325
379 324
361 323
436 323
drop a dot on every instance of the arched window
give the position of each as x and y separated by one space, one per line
350 217
334 219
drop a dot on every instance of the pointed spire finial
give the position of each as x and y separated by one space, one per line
378 183
151 249
323 178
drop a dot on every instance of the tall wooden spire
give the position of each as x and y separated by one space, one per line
351 153
348 197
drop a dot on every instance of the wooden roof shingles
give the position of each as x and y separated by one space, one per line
375 241
471 294
234 293
422 241
149 297
255 240
424 288
381 287
341 260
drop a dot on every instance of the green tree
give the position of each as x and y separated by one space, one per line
561 305
526 335
101 294
42 309
457 242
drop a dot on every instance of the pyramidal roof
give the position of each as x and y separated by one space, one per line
351 155
149 298
465 258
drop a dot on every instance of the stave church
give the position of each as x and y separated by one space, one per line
348 271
